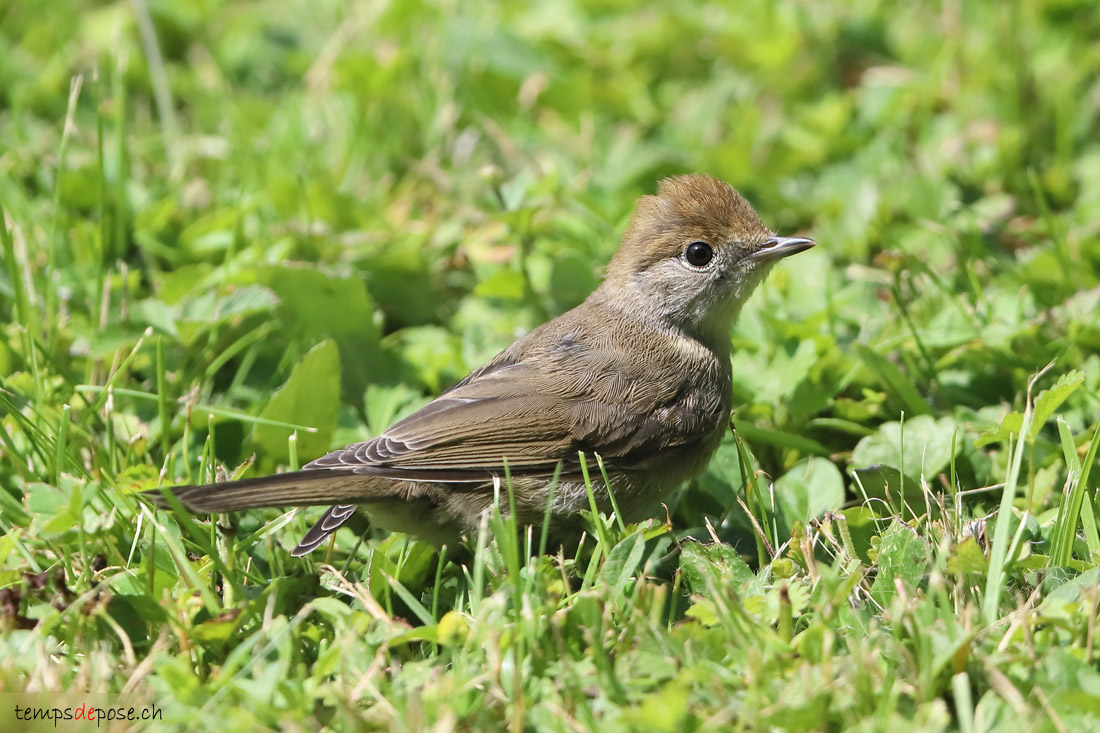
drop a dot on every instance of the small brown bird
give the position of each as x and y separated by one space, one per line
639 374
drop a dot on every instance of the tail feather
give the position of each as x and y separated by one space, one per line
325 526
296 488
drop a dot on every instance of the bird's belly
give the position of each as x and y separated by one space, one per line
442 513
421 518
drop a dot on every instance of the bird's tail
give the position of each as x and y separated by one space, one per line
325 526
296 488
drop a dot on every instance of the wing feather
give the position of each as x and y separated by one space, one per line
538 411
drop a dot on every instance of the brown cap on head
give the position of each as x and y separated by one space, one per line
686 208
706 201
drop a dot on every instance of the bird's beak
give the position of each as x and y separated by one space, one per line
777 248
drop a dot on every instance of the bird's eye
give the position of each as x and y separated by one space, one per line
698 254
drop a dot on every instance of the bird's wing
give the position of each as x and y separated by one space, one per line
537 412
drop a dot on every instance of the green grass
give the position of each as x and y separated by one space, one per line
236 235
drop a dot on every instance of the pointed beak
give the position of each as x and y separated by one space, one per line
777 248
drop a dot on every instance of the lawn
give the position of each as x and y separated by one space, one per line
236 235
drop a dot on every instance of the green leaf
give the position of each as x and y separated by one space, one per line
894 380
1010 425
46 499
155 313
718 565
704 611
217 630
385 405
862 524
813 487
571 280
926 451
310 396
622 562
1050 399
209 308
800 443
249 299
400 558
902 554
504 284
968 557
663 710
315 305
1080 587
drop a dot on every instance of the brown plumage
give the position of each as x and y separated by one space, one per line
639 373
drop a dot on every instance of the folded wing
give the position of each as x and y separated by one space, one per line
537 412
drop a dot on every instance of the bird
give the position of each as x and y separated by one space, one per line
638 374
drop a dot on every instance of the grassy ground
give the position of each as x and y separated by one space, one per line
225 221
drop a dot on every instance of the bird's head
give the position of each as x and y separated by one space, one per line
693 254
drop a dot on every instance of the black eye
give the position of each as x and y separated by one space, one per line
698 254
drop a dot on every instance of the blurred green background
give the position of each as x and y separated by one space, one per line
244 217
420 182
